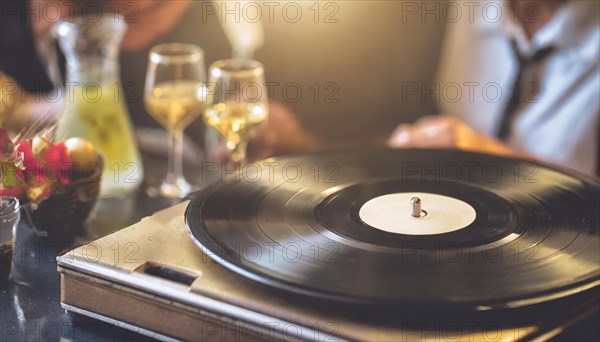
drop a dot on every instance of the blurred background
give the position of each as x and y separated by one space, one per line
349 66
342 69
338 65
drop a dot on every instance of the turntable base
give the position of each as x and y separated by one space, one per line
151 278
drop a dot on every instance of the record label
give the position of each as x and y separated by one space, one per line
440 214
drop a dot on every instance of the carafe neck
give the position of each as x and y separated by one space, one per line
85 70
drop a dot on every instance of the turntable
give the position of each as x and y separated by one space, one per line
368 244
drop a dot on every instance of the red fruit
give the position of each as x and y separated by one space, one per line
14 191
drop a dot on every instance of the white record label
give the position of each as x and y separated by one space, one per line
392 213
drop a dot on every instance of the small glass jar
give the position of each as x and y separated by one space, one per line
9 219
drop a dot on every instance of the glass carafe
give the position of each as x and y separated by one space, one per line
94 107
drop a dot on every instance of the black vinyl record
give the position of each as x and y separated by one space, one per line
294 223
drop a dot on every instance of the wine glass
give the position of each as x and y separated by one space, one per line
175 95
238 102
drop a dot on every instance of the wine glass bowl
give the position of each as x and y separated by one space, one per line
175 95
238 102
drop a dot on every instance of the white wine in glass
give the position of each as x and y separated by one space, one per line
239 103
176 104
236 121
175 95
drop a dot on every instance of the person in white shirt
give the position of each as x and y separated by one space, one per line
529 82
548 52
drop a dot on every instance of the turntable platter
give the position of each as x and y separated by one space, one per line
493 232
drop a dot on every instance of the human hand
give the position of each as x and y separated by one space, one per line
281 134
445 132
146 19
150 20
22 111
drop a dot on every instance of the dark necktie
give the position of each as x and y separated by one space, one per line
517 89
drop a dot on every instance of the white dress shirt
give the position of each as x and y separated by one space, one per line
559 122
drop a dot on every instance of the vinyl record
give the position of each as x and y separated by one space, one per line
491 232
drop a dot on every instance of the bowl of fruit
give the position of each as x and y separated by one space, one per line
57 184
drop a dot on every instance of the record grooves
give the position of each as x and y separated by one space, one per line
534 238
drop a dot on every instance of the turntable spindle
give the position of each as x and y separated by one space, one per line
415 207
446 214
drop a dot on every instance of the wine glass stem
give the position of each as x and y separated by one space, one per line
238 152
174 172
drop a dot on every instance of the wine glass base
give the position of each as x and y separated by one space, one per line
177 189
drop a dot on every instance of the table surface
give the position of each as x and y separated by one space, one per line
30 302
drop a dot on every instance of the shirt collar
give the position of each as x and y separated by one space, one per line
574 28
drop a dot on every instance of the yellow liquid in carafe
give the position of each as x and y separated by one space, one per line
104 121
